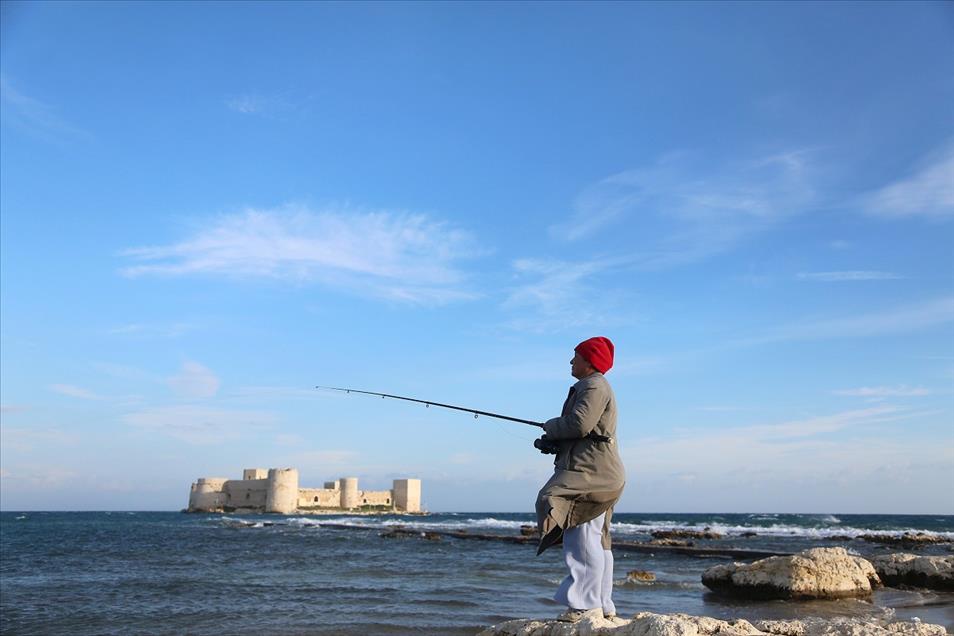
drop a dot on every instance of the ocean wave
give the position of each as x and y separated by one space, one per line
823 527
776 530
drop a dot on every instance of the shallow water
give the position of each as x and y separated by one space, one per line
172 573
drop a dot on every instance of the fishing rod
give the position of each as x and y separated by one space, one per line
543 445
428 403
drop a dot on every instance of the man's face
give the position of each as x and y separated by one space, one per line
579 367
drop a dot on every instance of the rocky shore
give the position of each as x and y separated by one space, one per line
828 573
649 624
818 573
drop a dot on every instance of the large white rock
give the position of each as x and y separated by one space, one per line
649 624
819 573
934 572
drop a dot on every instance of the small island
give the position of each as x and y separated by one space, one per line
276 490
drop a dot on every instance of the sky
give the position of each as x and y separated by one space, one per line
207 209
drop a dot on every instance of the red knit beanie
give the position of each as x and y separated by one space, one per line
598 352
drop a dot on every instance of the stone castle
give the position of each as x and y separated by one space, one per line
276 490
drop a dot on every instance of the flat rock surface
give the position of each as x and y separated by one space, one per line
819 573
649 624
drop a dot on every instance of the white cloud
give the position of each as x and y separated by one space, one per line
685 210
198 424
396 256
898 320
74 391
800 451
928 193
39 478
24 440
33 116
325 458
151 330
884 391
262 105
194 381
289 439
853 275
552 295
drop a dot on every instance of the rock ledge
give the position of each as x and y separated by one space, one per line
649 624
819 573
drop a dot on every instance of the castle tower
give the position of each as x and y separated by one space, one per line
254 473
206 494
407 495
282 493
349 492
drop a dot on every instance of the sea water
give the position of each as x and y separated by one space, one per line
172 573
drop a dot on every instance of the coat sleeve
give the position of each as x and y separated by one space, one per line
582 417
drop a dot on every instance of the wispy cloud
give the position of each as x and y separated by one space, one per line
198 424
152 330
194 381
686 210
24 440
853 451
928 193
552 295
901 319
884 391
74 391
847 276
788 447
35 117
392 255
260 104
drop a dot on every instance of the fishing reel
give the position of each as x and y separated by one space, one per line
546 446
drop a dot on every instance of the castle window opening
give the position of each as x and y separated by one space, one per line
388 500
365 501
248 495
316 498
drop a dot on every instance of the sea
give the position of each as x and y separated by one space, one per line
173 573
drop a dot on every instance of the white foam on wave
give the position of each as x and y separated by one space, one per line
490 523
469 524
775 530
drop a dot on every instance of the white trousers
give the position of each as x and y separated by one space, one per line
590 582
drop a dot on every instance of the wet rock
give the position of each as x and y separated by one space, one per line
749 534
649 624
682 543
686 534
640 576
907 540
529 531
933 572
819 573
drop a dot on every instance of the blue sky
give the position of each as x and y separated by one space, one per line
207 209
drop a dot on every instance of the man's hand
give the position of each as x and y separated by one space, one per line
546 446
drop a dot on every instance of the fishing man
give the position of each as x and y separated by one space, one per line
576 504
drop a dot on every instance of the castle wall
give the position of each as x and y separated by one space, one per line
246 493
255 473
374 498
318 498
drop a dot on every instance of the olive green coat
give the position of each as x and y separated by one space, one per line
588 475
